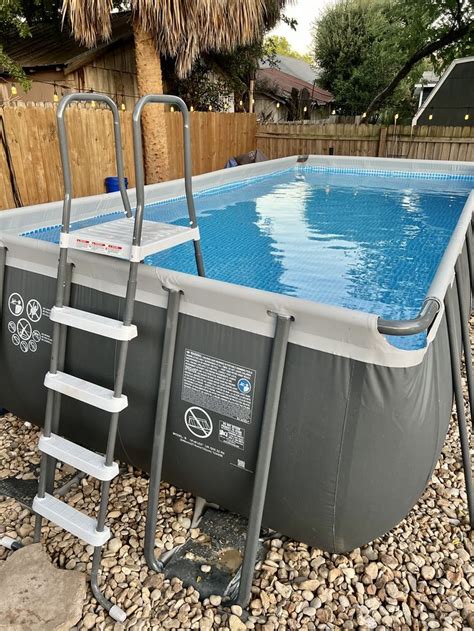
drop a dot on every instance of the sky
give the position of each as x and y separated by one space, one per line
304 11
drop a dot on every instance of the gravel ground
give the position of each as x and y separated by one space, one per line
418 576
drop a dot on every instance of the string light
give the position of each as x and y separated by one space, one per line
172 109
466 117
305 109
210 108
430 117
241 103
191 109
14 90
364 114
278 106
396 117
55 95
92 103
333 113
123 107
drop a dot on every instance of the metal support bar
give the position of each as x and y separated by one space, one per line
64 151
470 257
140 170
265 449
3 263
419 324
458 395
466 341
161 418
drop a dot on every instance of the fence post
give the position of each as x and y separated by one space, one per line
382 144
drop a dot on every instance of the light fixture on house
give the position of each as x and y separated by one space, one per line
466 117
14 91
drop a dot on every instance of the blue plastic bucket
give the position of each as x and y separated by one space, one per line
112 184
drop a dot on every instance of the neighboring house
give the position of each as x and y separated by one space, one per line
423 89
451 101
288 91
56 63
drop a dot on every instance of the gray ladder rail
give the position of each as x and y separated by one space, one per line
264 457
58 349
161 419
64 151
140 170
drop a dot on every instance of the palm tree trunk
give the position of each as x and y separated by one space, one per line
150 81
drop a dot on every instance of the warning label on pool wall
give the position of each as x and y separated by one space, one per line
218 385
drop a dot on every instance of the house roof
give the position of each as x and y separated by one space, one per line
50 47
294 67
452 97
280 84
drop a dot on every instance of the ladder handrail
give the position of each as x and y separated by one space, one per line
64 151
139 167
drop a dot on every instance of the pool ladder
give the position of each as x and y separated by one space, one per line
127 238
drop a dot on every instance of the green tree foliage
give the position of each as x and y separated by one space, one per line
371 52
16 18
276 44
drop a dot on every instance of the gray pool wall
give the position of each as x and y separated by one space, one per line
361 424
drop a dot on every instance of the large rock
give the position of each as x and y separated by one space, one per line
36 596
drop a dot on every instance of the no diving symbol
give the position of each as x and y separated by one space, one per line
198 422
24 329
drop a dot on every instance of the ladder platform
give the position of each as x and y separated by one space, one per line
72 520
114 238
84 391
92 323
78 457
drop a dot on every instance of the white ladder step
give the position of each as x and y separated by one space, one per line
114 238
78 457
84 391
72 520
93 323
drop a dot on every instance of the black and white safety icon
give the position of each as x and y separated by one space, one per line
198 422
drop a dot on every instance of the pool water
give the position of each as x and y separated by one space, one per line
361 240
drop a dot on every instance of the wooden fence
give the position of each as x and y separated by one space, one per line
29 150
427 142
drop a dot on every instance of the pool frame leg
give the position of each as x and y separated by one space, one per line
3 264
161 419
264 458
459 399
466 342
470 257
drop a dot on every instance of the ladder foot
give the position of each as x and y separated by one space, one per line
10 544
117 614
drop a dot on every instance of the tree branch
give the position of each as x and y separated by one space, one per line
451 36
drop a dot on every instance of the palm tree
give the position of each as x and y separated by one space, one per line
182 29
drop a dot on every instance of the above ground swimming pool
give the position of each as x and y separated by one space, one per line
335 243
338 236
